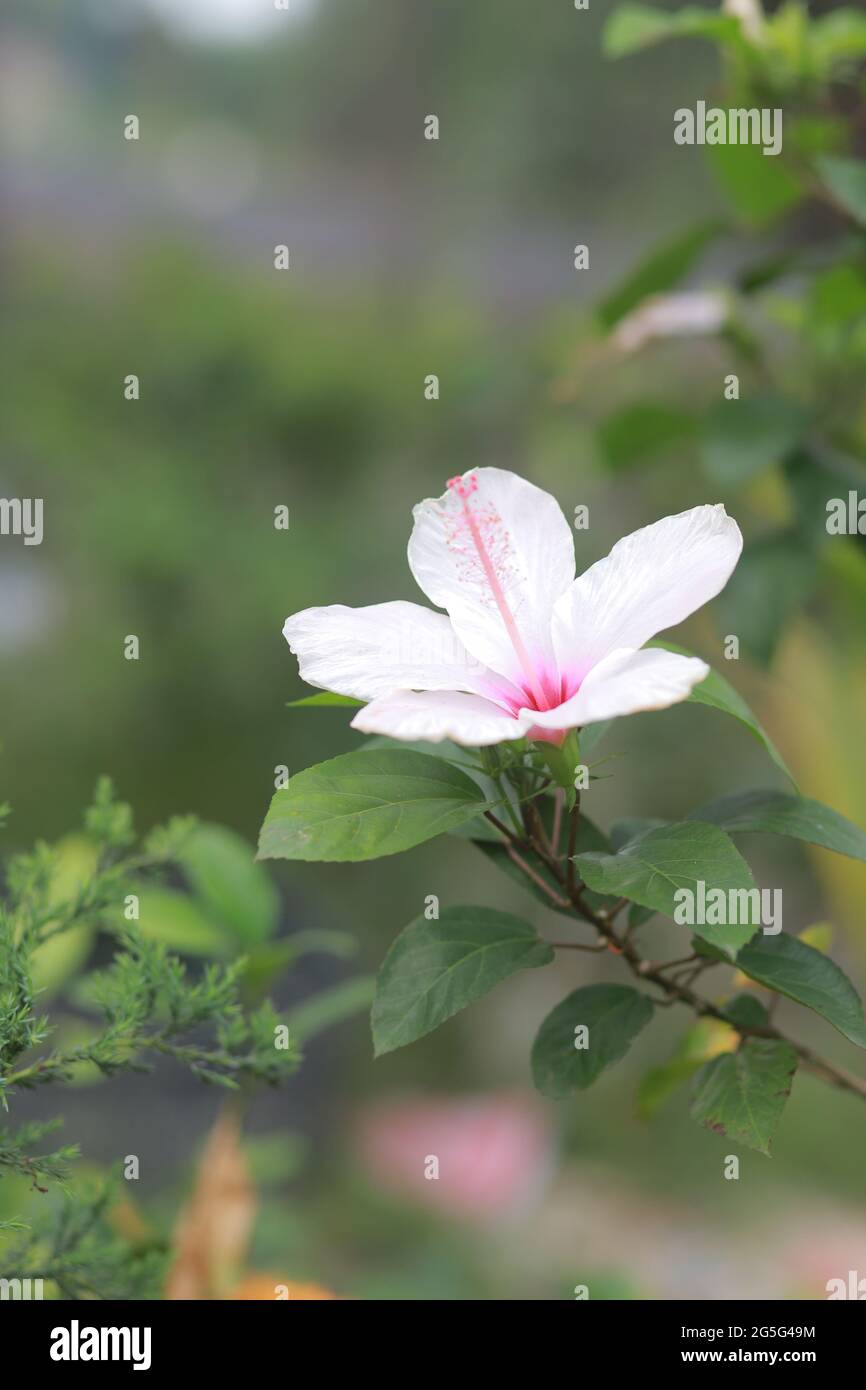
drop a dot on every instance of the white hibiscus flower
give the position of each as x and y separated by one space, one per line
526 649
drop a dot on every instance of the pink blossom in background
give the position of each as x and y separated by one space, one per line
494 1152
828 1246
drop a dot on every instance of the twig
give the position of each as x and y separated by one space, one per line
558 804
570 870
577 946
561 903
503 829
669 964
613 912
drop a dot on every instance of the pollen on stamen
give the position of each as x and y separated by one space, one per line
464 487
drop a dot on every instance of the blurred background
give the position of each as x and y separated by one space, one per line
305 388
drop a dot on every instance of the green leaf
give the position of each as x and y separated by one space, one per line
837 300
319 941
747 1011
638 916
613 1015
479 830
703 1040
62 954
837 42
450 752
719 694
812 478
739 439
642 430
709 952
846 180
759 187
446 750
798 971
766 271
229 884
633 27
435 968
653 868
326 699
809 135
741 1095
667 266
367 804
660 1083
61 957
265 963
780 813
179 922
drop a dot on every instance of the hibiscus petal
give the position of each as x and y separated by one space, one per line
526 564
437 715
651 580
366 652
626 682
